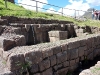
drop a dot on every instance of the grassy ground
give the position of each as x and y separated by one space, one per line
18 11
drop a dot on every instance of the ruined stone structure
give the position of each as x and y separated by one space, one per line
27 48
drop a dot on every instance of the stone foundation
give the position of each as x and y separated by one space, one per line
25 48
52 58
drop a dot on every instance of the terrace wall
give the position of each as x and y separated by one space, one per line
54 58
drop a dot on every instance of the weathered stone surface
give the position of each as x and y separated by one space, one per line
72 62
33 56
73 44
77 60
58 35
61 57
80 32
46 52
66 64
96 52
48 72
34 68
3 21
82 58
56 67
1 29
20 40
64 47
72 68
53 60
45 64
62 71
81 50
56 49
7 73
83 42
53 39
73 53
6 44
15 61
86 72
90 56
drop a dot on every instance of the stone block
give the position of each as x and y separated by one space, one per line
33 57
56 67
66 63
61 57
56 49
82 58
89 43
46 52
68 54
57 35
83 42
34 68
73 44
86 52
72 62
77 60
53 39
73 68
6 44
62 71
53 33
73 53
45 64
47 72
15 61
64 47
81 50
53 60
90 56
20 40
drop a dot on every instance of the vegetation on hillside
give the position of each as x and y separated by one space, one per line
19 11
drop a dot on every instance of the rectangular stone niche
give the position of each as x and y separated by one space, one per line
57 35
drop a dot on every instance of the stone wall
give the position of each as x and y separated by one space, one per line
53 58
12 19
37 33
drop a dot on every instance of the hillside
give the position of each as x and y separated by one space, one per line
19 11
88 14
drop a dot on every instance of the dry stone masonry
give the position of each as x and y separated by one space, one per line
45 49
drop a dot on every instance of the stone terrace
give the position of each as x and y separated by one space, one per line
27 48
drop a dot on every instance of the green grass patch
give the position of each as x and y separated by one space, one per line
19 11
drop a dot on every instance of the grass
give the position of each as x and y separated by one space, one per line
19 11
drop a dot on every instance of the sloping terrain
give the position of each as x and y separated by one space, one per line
19 11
